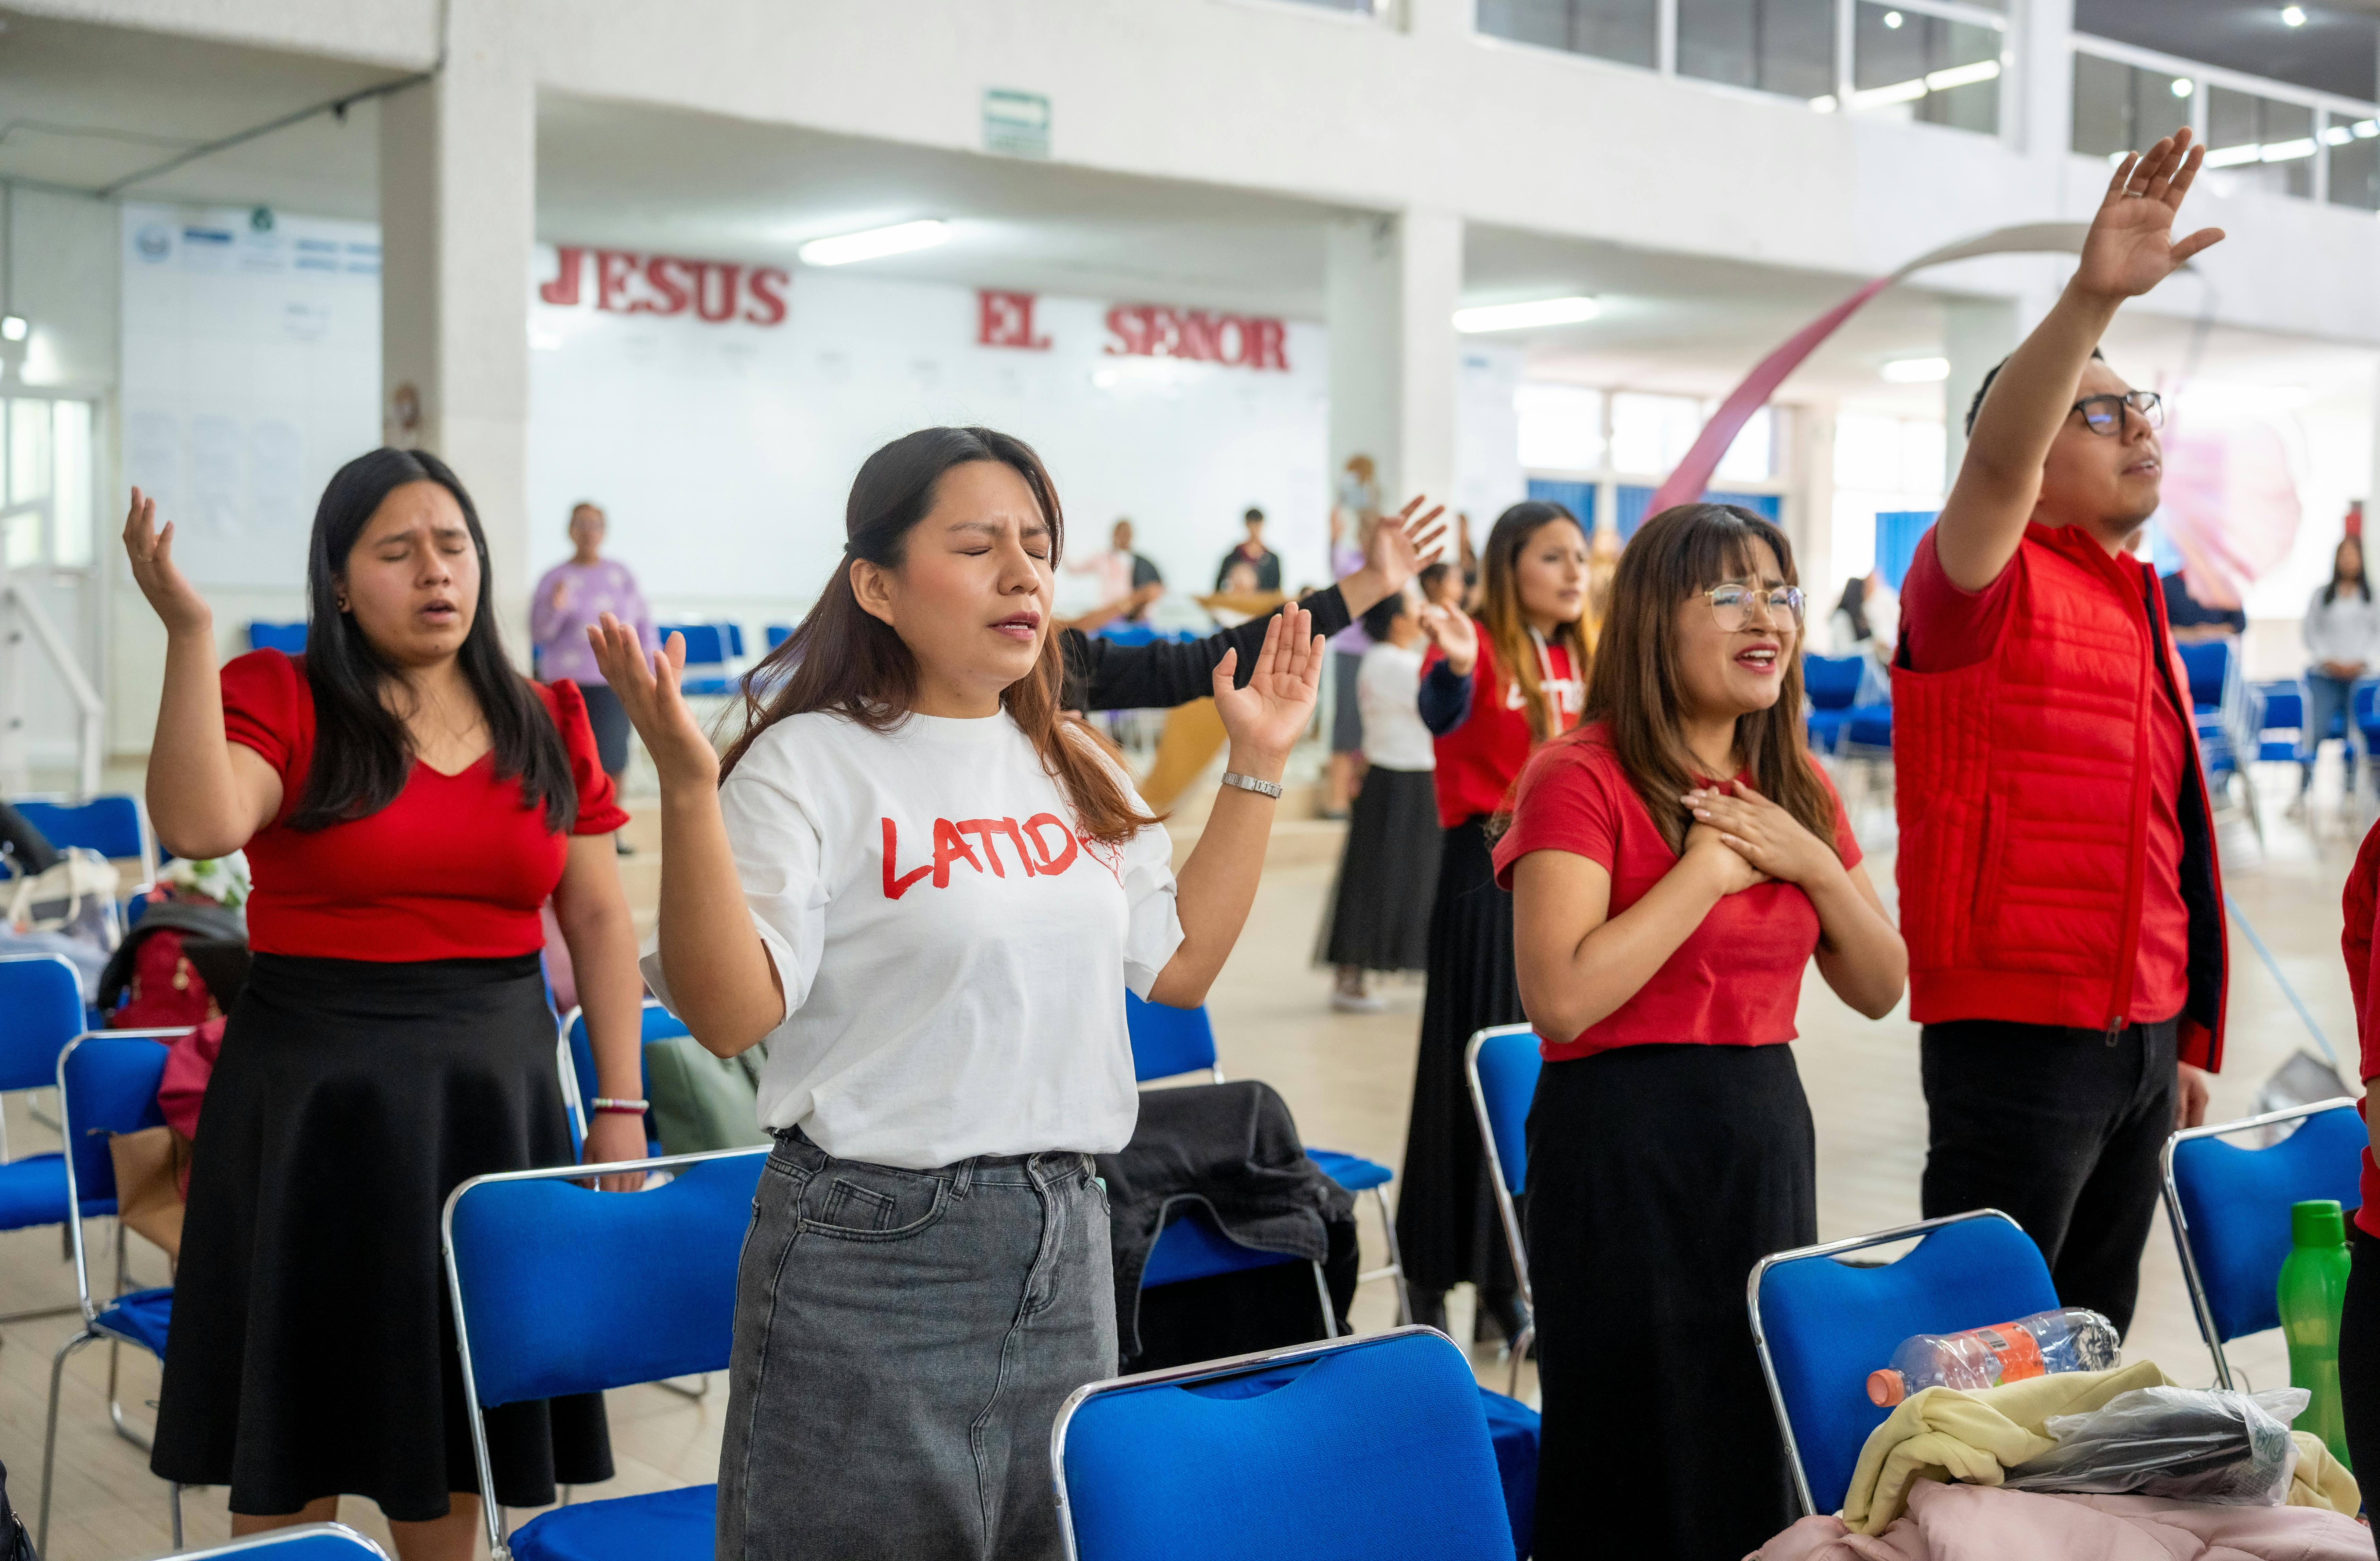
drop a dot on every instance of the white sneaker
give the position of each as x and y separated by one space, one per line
1358 1002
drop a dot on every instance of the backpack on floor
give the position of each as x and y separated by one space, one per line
15 1543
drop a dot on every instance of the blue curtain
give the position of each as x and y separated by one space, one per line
1634 502
1896 540
1578 498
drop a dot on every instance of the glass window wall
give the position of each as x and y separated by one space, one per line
1926 67
2352 150
1626 31
2118 107
1773 45
2269 142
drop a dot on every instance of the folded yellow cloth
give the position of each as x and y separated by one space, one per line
1945 1434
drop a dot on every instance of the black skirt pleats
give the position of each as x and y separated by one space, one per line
1658 1175
1448 1230
1378 916
313 1345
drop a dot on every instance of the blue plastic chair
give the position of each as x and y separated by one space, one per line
579 1084
1822 1325
778 634
705 657
107 1084
558 1288
1830 684
288 638
1169 1042
1216 1460
307 1541
1868 729
114 825
1501 1064
40 1013
2228 1205
2285 712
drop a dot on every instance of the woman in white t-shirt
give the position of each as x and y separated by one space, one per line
927 892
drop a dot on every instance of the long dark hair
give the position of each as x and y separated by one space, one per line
362 755
1636 689
1507 627
844 660
1854 606
2362 575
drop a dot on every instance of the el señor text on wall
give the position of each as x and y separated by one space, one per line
1005 320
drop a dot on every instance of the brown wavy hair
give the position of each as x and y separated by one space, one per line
844 660
1499 611
1635 690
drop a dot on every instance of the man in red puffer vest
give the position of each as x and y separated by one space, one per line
2059 887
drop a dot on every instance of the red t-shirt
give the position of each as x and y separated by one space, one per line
455 869
2356 906
1948 628
1478 761
1736 980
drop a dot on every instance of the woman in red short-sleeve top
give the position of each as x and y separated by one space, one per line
1675 863
407 802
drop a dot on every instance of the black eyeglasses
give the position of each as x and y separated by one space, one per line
2105 413
1731 604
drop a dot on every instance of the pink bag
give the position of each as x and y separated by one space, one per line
189 1063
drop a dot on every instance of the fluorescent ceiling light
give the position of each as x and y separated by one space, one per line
2283 151
13 327
1892 19
1826 105
2367 129
2339 135
876 243
1964 74
2183 87
1917 370
1520 317
2231 156
1900 91
2293 16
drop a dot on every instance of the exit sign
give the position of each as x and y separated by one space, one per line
1017 124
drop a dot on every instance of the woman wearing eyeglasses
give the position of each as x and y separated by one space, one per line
2059 883
1674 863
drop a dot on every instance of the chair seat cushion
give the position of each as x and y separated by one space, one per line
659 1526
33 1191
141 1317
1353 1172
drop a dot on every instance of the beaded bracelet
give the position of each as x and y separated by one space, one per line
623 1107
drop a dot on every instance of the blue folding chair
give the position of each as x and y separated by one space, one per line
107 1084
1215 1460
558 1288
705 657
577 1058
1167 1041
40 1012
1821 1325
778 634
1501 1064
307 1542
288 638
116 826
1830 684
2228 1205
2285 712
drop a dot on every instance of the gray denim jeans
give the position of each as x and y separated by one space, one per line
903 1342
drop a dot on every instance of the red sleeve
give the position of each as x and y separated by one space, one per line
260 706
1562 802
1946 628
1846 843
2355 942
599 803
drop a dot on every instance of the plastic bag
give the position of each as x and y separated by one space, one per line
2189 1444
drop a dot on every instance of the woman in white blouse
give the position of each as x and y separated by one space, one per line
927 892
2343 641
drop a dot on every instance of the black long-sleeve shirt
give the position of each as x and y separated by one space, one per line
1445 698
1103 675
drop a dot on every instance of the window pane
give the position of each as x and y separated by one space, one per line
1868 452
1753 456
29 451
1776 45
2269 144
1561 426
23 533
2354 153
2103 106
1651 433
1924 453
71 504
1914 66
1626 31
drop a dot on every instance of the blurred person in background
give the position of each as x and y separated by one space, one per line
1123 575
1493 688
1354 515
571 597
1251 551
2192 619
2343 641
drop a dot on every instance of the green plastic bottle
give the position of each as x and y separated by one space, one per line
2313 1290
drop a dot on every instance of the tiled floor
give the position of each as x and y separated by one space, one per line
1348 1078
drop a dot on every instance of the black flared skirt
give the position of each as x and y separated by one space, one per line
313 1347
1447 1226
1378 915
1658 1175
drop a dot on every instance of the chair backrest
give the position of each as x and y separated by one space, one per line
288 638
558 1288
111 825
1822 1325
2209 662
1222 1459
2284 705
705 645
1166 1041
2234 1205
1832 682
2358 700
41 1011
658 1022
107 1084
778 634
735 640
1503 1066
310 1542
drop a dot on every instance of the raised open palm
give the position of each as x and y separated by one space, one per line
169 591
1267 717
1456 635
647 688
1405 544
2131 246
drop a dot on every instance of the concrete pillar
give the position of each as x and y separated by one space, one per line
1393 284
458 208
2037 99
1813 509
1976 333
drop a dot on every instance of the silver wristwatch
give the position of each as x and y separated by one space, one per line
1250 783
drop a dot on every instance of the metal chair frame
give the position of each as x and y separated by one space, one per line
1201 1371
1505 1208
278 1538
2179 1223
92 1331
499 1547
1760 1334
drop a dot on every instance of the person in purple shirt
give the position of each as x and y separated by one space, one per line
569 597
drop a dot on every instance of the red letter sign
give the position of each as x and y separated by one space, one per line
1005 320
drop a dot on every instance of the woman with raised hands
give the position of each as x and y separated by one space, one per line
927 891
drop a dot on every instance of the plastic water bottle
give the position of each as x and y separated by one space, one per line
2312 1289
2069 1339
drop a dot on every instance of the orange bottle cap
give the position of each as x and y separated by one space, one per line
1885 1387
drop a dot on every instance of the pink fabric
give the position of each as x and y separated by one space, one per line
189 1063
1982 1523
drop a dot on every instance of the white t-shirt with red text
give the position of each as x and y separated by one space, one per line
954 954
